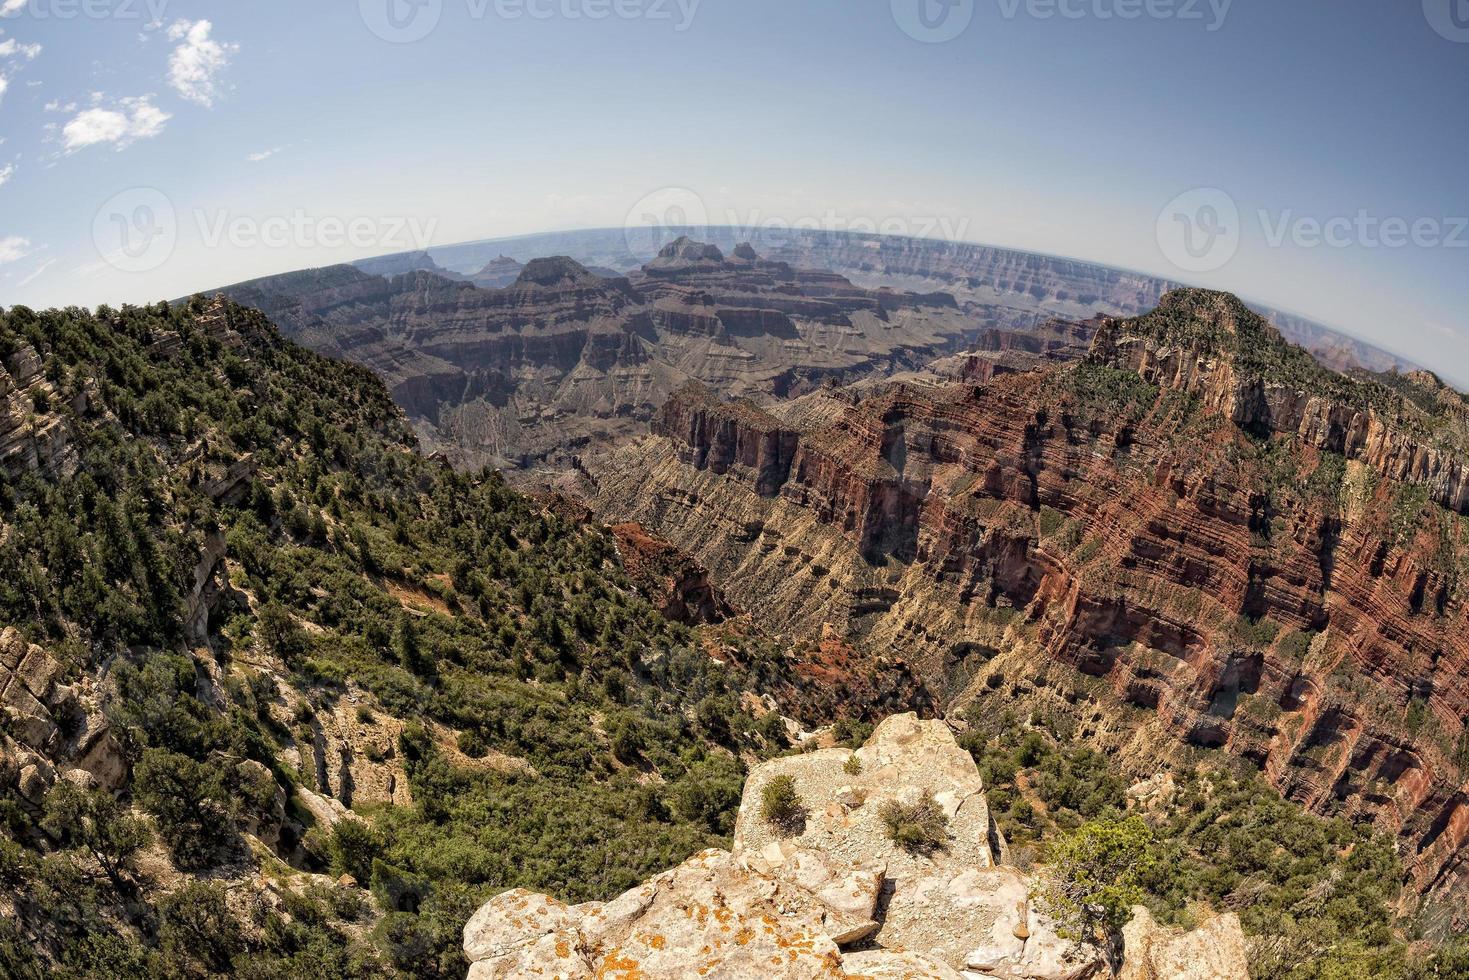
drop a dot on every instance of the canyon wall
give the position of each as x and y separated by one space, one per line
563 360
1208 557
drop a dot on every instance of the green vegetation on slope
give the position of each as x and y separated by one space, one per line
1216 324
1315 895
560 734
530 645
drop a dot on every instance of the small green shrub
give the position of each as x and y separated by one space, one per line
919 828
472 745
852 766
782 807
1051 520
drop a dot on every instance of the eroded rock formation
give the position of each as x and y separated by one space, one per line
1006 288
562 358
34 434
51 730
1215 949
676 584
1196 520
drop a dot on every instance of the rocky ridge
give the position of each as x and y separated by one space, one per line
837 899
35 436
1212 347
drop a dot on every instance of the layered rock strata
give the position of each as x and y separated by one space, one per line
562 359
35 436
676 584
1213 541
51 730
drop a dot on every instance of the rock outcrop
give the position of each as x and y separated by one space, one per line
1215 949
903 759
720 436
35 436
1210 346
834 898
710 916
954 904
50 730
676 584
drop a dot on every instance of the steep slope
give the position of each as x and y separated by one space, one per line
281 696
1208 539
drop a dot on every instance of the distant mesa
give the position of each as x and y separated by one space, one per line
498 273
524 364
685 247
684 252
402 265
556 271
746 251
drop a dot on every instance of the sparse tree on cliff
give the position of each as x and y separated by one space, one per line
1096 877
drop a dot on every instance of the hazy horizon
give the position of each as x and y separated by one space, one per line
1304 156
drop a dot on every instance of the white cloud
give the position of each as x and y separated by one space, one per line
195 65
6 172
12 47
13 249
4 84
264 154
11 7
133 120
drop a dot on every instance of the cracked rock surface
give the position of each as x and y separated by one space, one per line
834 899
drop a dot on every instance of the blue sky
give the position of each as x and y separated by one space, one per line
224 139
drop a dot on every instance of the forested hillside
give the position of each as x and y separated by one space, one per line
248 593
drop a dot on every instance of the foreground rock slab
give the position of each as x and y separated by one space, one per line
709 917
834 897
844 791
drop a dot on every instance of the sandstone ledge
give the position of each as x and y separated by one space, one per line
836 899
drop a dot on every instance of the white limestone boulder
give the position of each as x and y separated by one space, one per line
1214 951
